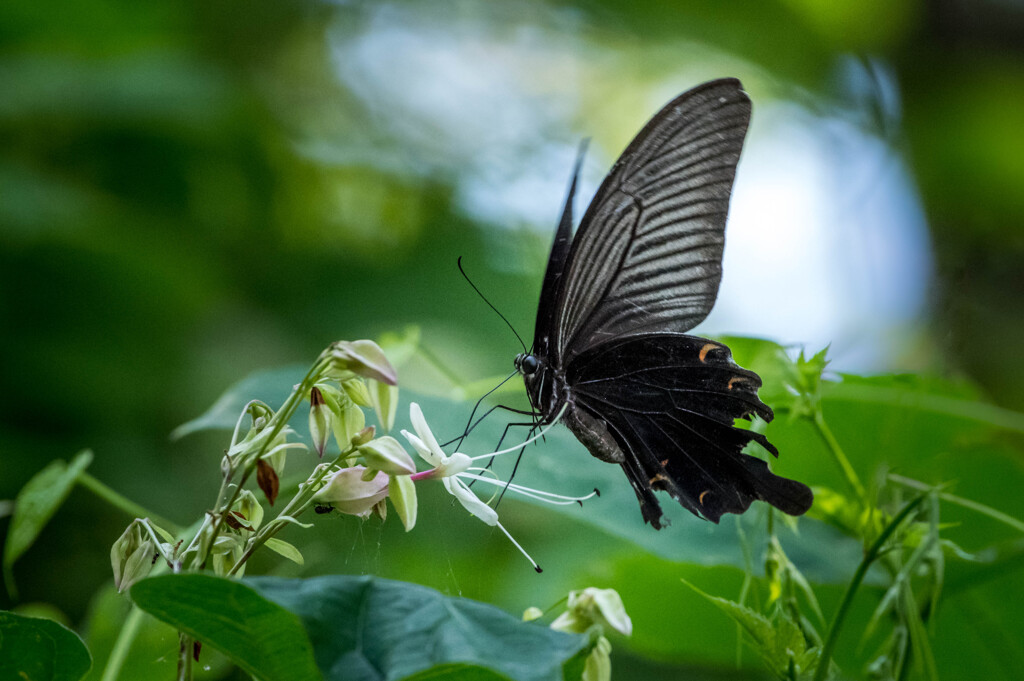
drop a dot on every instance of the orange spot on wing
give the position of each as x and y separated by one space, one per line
708 347
734 380
703 494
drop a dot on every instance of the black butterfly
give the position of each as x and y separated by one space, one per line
643 268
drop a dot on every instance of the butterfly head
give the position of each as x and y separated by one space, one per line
526 364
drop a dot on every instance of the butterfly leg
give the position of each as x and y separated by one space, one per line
473 424
476 406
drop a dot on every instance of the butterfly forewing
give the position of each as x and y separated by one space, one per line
647 255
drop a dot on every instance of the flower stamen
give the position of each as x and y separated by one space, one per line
538 494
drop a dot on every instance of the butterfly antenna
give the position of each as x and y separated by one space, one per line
484 298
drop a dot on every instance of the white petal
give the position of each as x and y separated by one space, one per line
422 449
609 604
470 501
456 463
419 424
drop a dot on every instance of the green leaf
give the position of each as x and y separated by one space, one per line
112 622
780 643
262 638
36 503
271 387
370 628
788 386
456 672
33 649
927 394
283 548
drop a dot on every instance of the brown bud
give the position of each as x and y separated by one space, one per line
266 478
232 521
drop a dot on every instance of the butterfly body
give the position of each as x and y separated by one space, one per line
611 357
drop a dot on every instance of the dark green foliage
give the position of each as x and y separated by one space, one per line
359 629
34 649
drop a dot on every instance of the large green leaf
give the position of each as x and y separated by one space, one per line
358 628
272 386
34 649
366 628
262 638
112 617
37 501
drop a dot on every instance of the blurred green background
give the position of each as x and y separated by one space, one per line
193 191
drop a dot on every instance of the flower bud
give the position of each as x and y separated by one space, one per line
131 556
380 509
363 358
248 506
364 436
319 420
532 613
348 423
594 606
225 552
388 455
357 391
403 498
385 403
237 521
267 480
349 493
598 665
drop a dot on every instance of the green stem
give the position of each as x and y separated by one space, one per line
837 452
129 630
869 557
299 503
748 579
184 657
123 643
961 501
125 504
280 420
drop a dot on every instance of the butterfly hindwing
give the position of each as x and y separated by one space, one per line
669 401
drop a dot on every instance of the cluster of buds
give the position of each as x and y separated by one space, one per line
369 468
136 551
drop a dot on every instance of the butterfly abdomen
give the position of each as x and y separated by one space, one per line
593 433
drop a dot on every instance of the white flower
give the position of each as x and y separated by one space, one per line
594 606
454 470
448 468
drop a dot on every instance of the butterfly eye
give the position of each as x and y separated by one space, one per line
527 364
